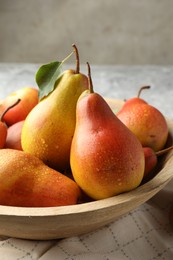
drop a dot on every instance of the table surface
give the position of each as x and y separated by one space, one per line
144 233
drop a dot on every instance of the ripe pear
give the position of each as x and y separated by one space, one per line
145 121
48 129
28 97
25 181
151 158
13 139
106 157
3 133
3 126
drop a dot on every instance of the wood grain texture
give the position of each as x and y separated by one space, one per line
66 221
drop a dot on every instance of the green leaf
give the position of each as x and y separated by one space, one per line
46 77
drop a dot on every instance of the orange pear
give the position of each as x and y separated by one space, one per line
145 121
106 157
3 126
28 97
3 133
25 181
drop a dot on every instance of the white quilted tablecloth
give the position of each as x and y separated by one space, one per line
144 233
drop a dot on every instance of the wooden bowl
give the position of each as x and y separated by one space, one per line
65 221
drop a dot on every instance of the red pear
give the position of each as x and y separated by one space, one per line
3 126
151 158
106 157
145 121
29 98
13 139
3 134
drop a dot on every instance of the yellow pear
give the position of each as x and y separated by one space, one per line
48 129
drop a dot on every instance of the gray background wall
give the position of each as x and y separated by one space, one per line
105 31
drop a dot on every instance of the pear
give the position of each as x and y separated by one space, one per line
106 158
25 181
145 121
28 97
3 133
151 158
13 139
48 129
3 126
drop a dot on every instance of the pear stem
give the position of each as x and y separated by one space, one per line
164 151
141 89
90 79
8 108
77 59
